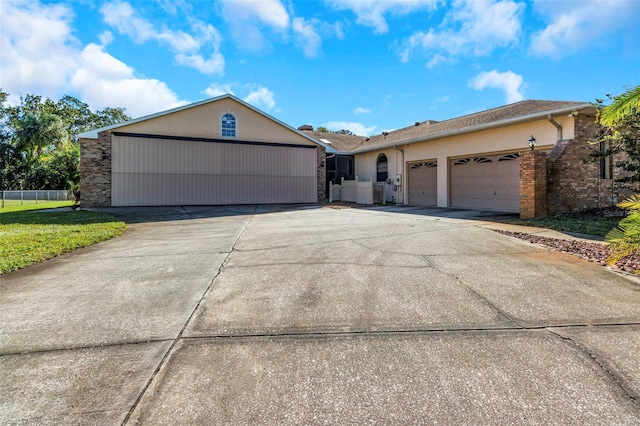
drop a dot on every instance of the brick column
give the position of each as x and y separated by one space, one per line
322 174
95 171
533 185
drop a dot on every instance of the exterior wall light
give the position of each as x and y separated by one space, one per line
532 143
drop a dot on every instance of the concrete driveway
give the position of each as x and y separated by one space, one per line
310 315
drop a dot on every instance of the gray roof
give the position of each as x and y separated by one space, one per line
497 117
337 141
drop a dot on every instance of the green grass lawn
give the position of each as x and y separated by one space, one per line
592 225
16 206
30 234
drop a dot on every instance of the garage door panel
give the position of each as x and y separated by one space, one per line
486 182
168 172
150 189
423 184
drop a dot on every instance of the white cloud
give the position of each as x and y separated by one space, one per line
357 128
307 37
40 56
473 27
248 17
105 38
509 82
103 80
186 47
261 98
576 24
217 89
361 110
439 59
371 13
37 48
270 12
213 65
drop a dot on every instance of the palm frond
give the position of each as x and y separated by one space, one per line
631 203
624 240
622 106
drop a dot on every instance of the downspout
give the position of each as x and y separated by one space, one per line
401 201
555 123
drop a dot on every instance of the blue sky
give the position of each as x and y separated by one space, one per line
363 65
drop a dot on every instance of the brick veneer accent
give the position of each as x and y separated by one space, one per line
533 184
574 183
95 171
322 174
565 181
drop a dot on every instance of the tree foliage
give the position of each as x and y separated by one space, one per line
620 134
623 106
625 239
39 140
337 132
621 131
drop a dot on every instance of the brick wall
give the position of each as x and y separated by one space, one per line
573 182
533 184
95 171
322 174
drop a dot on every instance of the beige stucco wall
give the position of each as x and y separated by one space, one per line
203 121
491 141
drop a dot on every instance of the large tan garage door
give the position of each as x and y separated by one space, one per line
149 171
489 182
423 183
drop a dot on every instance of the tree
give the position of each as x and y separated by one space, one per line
38 132
621 127
38 140
620 134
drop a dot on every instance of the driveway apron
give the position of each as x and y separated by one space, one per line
311 315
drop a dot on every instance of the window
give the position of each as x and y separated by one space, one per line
228 126
481 160
606 163
509 157
382 168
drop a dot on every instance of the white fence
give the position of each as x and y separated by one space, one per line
13 198
365 192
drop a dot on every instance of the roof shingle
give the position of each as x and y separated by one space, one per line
495 116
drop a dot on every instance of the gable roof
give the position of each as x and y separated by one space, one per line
339 142
93 134
519 112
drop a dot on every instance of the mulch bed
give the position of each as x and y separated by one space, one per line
338 205
593 252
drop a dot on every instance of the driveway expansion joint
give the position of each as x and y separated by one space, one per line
610 372
85 347
394 331
167 355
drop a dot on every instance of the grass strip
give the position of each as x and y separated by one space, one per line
41 206
28 237
580 225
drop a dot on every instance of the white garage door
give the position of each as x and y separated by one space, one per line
151 171
489 182
423 183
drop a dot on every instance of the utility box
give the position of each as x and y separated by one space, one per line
398 180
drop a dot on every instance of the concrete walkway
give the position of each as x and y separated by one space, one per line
309 315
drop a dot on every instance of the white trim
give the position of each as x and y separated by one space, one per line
483 126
